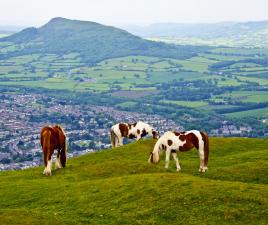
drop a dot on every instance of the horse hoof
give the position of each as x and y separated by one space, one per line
203 170
47 173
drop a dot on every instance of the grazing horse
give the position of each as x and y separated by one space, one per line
172 141
133 130
53 138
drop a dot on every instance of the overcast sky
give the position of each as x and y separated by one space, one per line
124 12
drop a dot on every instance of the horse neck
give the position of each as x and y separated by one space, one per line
157 146
147 128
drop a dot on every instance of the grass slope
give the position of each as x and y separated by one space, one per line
119 187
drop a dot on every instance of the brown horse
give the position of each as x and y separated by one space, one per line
53 138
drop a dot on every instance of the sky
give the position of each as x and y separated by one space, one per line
25 13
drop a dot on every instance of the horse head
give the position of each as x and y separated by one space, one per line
154 158
155 134
155 154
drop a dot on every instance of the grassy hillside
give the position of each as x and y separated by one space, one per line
93 41
119 187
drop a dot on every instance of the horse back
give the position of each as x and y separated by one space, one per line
45 135
53 135
124 129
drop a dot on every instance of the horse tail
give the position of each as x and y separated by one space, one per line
45 143
63 151
61 129
65 148
113 137
66 145
206 147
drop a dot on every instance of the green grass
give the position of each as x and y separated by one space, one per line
129 71
242 51
199 64
244 96
51 83
254 79
191 104
220 57
127 104
257 113
163 77
119 187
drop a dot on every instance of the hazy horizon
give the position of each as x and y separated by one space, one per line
122 13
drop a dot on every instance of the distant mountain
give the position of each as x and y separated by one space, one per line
199 30
240 33
8 30
93 41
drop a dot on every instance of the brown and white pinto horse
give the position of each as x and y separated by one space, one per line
131 130
53 138
172 141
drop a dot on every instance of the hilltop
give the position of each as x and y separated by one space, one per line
118 186
93 41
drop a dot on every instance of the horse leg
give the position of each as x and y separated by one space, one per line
47 162
174 154
48 168
45 153
58 162
120 141
202 157
167 158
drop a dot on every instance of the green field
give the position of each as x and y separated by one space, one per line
119 187
127 73
191 104
144 74
244 96
257 113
